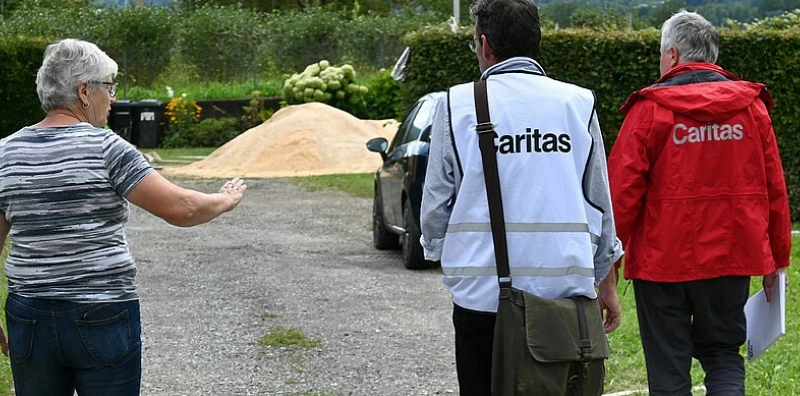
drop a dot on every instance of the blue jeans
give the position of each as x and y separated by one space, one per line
59 347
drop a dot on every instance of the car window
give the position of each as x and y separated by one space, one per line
402 132
421 120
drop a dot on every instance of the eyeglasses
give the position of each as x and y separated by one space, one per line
112 87
472 46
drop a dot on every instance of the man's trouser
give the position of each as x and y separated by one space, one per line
702 319
474 337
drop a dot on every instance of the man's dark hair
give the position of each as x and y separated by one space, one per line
511 27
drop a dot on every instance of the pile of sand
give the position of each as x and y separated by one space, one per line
301 140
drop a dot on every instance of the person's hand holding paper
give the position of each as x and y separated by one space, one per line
766 320
769 280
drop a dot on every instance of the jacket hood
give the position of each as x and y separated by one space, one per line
703 101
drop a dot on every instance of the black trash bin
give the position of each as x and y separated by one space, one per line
148 125
121 120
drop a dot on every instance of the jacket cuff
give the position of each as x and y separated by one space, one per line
432 249
601 270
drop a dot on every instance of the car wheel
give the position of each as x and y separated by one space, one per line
413 258
382 238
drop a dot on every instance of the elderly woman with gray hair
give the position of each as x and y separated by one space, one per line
73 307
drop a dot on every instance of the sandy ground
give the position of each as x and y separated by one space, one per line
301 140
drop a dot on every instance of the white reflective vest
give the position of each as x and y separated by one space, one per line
543 146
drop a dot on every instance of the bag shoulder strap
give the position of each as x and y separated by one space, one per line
486 135
585 342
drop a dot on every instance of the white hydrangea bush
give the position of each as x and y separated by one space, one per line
323 82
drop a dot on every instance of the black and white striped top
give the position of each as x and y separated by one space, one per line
62 189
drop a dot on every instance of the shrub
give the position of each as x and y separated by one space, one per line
139 39
19 105
299 38
384 97
255 113
439 59
321 82
221 43
52 23
181 115
377 40
214 132
211 132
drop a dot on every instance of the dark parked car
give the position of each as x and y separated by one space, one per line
399 181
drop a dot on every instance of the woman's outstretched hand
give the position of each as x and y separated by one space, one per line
235 189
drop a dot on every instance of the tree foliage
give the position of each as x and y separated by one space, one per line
653 14
561 13
383 7
787 20
19 105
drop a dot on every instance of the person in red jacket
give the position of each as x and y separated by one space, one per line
700 205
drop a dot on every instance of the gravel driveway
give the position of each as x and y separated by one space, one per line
297 259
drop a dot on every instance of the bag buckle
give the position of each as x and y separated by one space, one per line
586 356
586 347
484 127
505 286
505 282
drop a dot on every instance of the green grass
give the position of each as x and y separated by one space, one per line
269 315
357 184
280 336
180 156
6 381
777 372
204 90
182 153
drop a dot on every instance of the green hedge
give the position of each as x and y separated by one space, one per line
19 105
439 59
159 45
138 38
616 63
221 43
297 38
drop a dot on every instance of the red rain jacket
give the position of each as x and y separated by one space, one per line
697 186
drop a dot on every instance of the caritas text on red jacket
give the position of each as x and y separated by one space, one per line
697 185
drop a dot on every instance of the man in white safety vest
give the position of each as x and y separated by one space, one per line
554 183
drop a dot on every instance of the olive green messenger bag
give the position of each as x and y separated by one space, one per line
542 347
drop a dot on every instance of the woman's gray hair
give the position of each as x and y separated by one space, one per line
68 63
695 37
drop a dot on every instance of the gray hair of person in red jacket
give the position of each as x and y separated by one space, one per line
687 37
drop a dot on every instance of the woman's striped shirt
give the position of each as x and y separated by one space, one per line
63 190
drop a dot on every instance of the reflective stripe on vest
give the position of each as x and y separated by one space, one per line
525 227
549 272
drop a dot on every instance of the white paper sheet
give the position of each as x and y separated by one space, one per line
766 322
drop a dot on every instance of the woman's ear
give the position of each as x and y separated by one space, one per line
83 93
